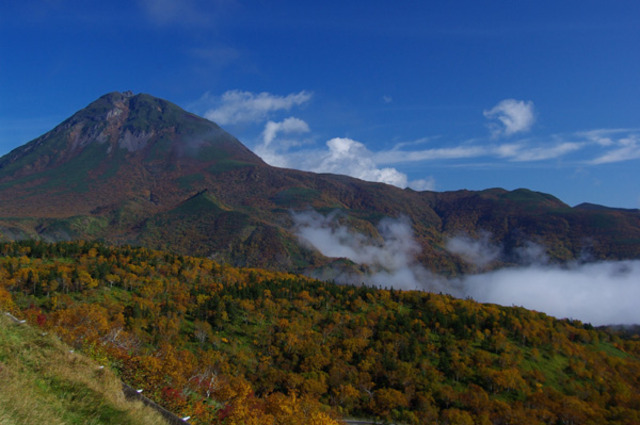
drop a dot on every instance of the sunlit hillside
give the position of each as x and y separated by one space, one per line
227 345
43 381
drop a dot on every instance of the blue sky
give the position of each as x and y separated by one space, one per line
438 95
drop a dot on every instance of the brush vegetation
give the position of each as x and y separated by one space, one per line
234 346
42 381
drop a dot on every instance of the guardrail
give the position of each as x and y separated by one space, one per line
132 394
14 318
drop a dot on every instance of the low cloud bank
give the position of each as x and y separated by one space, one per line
479 252
388 261
598 293
482 252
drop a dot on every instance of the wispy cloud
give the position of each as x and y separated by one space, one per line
599 293
523 153
348 156
184 12
351 157
622 149
591 147
389 259
291 143
517 152
480 252
428 183
237 106
616 144
289 125
341 155
273 154
510 116
397 156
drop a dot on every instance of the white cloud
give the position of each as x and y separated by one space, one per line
599 293
341 156
280 142
289 125
395 156
237 106
275 154
522 153
624 149
620 144
519 152
513 116
479 252
389 260
599 136
423 184
347 156
354 158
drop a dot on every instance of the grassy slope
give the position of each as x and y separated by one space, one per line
43 382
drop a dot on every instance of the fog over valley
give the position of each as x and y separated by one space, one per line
599 293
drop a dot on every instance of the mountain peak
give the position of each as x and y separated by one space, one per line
120 140
129 122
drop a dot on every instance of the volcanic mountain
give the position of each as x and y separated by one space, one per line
140 170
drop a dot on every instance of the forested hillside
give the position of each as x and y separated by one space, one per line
244 346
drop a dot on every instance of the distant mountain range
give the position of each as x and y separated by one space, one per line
135 169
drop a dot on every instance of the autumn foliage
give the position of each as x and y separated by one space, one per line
247 346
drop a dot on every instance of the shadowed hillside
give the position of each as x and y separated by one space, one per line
139 170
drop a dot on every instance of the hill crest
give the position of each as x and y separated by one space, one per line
140 170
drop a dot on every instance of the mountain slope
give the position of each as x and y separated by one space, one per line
140 170
121 147
45 382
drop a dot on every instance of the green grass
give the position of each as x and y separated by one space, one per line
43 382
612 351
551 366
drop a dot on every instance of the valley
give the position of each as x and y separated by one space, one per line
235 292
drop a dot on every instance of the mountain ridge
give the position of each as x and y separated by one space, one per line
140 170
